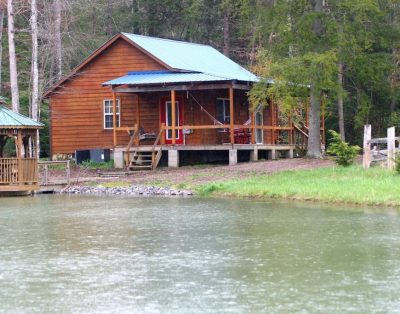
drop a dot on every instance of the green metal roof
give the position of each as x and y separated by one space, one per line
192 57
10 119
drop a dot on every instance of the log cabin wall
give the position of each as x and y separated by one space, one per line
77 120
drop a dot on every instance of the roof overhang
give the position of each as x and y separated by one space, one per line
153 81
181 87
10 127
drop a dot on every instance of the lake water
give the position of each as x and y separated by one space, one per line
172 255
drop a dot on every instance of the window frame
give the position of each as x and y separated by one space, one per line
225 108
111 113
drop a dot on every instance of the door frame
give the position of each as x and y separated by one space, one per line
179 122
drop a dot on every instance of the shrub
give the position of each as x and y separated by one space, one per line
397 163
344 152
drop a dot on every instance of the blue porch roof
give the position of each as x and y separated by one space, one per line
164 77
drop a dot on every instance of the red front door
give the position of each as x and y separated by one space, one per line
166 117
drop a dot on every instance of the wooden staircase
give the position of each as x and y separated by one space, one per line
145 160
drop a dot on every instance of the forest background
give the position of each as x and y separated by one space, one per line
349 51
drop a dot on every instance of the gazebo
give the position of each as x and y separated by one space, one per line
19 170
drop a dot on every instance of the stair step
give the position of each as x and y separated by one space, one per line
142 161
131 167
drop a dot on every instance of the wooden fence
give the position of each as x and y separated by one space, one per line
380 149
21 171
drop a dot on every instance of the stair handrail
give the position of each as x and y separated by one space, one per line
298 129
131 141
156 158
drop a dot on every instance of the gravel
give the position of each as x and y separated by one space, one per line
134 190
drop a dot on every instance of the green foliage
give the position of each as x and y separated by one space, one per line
90 164
344 152
397 163
275 38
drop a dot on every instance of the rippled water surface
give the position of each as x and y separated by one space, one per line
159 255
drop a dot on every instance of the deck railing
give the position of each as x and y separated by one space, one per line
18 171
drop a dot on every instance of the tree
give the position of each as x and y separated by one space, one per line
35 70
12 57
1 46
58 40
301 61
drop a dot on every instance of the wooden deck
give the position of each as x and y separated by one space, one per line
223 147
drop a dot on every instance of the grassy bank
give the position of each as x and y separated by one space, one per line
375 186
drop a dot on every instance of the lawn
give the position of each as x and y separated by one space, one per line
375 186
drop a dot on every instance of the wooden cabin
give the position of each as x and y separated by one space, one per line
146 98
19 169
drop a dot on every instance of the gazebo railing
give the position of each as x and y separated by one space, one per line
18 171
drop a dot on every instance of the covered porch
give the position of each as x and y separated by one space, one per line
206 114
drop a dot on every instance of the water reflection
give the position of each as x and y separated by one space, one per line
158 255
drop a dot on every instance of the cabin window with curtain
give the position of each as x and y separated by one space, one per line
222 110
109 112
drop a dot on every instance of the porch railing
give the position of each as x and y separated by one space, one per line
18 171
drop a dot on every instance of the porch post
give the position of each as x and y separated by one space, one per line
173 107
114 118
291 128
273 123
137 119
253 124
19 156
232 117
323 125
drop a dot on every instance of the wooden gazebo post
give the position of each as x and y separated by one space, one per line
19 156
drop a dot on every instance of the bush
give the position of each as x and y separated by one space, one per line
397 163
344 152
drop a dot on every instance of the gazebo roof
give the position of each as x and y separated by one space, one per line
10 119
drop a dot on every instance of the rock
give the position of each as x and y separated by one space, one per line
135 190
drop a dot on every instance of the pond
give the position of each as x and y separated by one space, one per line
193 255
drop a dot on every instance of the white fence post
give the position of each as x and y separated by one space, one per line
367 146
391 147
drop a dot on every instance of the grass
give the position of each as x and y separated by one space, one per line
114 184
98 165
354 185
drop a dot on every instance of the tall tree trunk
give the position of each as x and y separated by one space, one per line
35 70
58 42
12 57
1 47
109 19
227 31
314 135
340 101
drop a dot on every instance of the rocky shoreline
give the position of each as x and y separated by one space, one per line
135 190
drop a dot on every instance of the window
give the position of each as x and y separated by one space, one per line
108 114
223 114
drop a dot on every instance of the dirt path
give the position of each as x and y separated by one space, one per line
192 175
